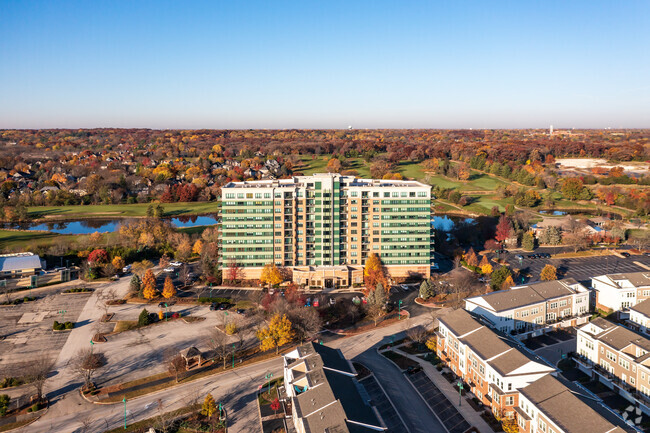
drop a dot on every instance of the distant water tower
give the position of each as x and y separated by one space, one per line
550 130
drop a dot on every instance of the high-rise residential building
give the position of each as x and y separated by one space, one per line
324 227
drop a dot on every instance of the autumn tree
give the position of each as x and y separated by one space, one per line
149 285
486 267
504 229
278 333
432 343
334 166
507 283
470 258
118 262
234 272
140 268
97 257
275 405
572 188
271 275
374 273
549 273
209 407
499 276
197 248
169 290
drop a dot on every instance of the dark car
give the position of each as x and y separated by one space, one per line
532 256
214 306
624 254
241 311
412 369
224 306
164 304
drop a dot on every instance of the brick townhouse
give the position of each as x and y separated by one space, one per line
619 357
491 364
619 291
532 307
640 316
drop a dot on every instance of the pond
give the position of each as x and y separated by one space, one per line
445 223
84 227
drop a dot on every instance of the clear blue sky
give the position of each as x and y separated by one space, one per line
324 64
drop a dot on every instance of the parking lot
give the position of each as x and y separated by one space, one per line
443 408
26 329
582 269
383 405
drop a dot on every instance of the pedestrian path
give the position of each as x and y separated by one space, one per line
451 393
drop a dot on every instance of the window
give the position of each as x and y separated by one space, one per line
611 356
542 425
553 305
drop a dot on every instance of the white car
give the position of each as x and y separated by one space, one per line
169 269
176 264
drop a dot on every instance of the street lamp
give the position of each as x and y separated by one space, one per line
62 313
399 310
460 392
124 401
92 343
233 355
269 376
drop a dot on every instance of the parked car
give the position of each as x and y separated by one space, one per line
519 257
412 369
224 306
176 264
316 302
624 254
126 269
308 302
169 270
332 301
163 304
241 311
213 306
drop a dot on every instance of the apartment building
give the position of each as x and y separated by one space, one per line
619 357
619 291
491 364
640 316
548 406
524 309
324 394
324 227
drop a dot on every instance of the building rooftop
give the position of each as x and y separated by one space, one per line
618 337
561 405
19 261
642 307
521 296
346 181
636 279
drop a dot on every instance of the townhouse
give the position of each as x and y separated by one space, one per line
548 406
532 307
491 364
620 291
324 394
640 316
618 357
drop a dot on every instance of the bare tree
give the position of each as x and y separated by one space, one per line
86 424
306 322
86 363
36 371
220 346
185 275
462 284
176 364
163 420
255 296
417 334
375 312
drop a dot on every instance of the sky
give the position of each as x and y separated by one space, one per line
324 64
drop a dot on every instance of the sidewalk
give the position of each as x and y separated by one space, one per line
473 417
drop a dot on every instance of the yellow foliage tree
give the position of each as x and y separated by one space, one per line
278 332
485 265
149 285
169 290
374 273
96 238
209 407
549 273
118 262
271 275
198 247
508 283
509 425
432 344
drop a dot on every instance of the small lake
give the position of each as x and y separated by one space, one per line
84 227
446 223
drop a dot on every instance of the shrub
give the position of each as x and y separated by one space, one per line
69 325
144 319
231 328
35 408
175 316
58 326
4 404
209 300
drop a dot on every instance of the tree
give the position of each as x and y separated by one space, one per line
271 275
118 263
97 257
549 273
572 188
379 296
499 276
36 371
149 285
375 312
417 334
504 229
220 346
134 284
374 272
4 404
209 407
486 267
140 268
234 272
507 283
198 247
175 364
528 241
426 290
278 333
306 322
333 166
86 363
275 405
509 425
470 258
144 319
551 236
432 343
169 290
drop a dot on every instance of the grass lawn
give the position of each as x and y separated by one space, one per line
125 325
120 210
10 238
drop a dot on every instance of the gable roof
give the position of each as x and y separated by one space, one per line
642 307
460 322
18 262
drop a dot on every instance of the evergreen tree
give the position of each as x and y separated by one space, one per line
144 319
528 241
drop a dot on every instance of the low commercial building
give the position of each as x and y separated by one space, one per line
493 365
620 291
323 393
618 357
533 308
20 265
548 406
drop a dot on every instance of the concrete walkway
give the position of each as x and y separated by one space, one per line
472 417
